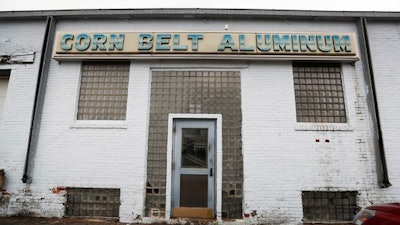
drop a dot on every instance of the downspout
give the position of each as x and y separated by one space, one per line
39 98
365 52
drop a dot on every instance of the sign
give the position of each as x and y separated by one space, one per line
200 44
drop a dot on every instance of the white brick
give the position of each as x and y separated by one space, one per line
281 159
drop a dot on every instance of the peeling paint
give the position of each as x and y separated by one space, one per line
58 190
19 58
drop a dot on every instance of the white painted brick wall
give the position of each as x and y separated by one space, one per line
385 52
281 159
18 37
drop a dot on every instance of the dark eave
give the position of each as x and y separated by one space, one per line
199 13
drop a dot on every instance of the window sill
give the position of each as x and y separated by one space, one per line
99 124
323 127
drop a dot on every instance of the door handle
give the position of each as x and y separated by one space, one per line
211 172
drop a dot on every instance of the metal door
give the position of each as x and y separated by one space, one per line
193 169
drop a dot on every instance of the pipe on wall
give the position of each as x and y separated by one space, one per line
365 53
39 98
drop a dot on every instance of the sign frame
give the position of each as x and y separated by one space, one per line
206 45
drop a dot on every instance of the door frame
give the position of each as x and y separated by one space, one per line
178 169
218 159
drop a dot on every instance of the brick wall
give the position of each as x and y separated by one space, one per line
18 37
282 158
384 41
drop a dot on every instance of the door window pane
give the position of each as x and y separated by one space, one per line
194 148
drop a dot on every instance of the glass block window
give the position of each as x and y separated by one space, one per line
103 91
207 92
93 202
319 93
329 206
4 78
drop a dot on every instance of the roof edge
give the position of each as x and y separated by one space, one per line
189 13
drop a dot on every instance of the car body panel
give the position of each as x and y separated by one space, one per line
382 214
393 208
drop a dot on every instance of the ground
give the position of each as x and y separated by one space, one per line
54 221
84 221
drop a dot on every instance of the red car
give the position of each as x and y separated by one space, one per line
382 214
